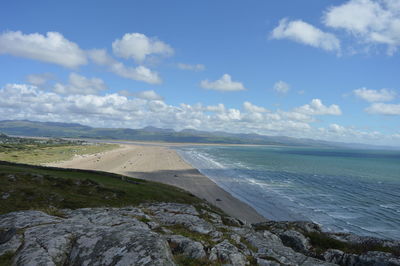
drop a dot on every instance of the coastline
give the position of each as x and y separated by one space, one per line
162 164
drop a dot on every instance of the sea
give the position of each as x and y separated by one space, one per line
343 190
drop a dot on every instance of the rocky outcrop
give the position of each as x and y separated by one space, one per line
309 239
186 246
163 234
368 258
295 240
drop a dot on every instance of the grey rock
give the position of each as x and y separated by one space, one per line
214 218
173 208
227 253
26 219
333 255
270 246
216 235
10 241
153 225
6 235
232 221
274 239
5 195
186 246
85 237
266 262
180 214
341 258
45 245
378 258
129 236
277 227
106 216
295 240
11 178
235 238
364 240
121 247
313 261
369 258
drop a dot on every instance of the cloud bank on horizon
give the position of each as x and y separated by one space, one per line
135 79
148 108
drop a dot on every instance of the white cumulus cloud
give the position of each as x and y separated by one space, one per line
39 79
335 128
248 106
195 67
140 73
382 95
138 46
281 87
225 83
216 108
148 95
81 85
302 32
51 48
371 22
384 109
316 107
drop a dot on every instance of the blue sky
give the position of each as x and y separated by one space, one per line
324 69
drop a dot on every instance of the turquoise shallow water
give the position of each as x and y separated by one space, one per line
343 190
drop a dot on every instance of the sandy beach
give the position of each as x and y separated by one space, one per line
161 164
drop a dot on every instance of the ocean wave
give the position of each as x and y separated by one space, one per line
281 191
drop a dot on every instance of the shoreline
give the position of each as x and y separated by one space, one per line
161 163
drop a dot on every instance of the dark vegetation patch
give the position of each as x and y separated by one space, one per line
228 221
204 208
144 219
322 242
249 245
6 259
24 187
252 261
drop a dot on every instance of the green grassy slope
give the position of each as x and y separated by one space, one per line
24 187
39 151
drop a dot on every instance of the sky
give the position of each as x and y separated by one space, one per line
310 69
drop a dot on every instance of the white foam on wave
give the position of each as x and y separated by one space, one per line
241 185
337 203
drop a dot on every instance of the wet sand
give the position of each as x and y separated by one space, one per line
161 164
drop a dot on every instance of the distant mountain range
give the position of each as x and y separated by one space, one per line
73 130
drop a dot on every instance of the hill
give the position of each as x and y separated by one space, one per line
73 130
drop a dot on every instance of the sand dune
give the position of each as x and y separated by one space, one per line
161 164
